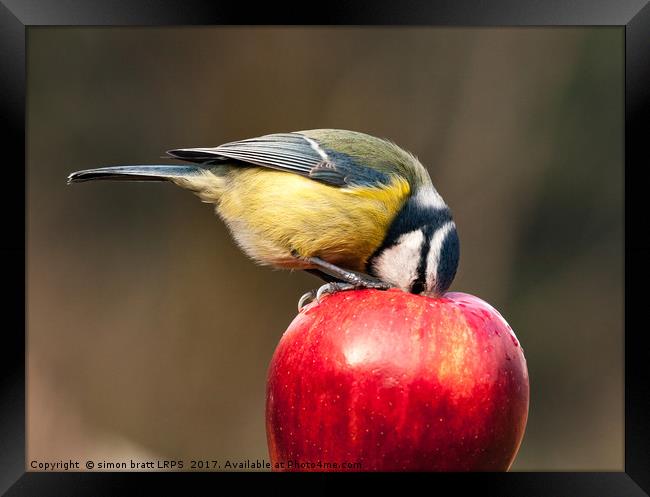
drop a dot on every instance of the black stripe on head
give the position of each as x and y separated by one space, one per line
412 217
420 284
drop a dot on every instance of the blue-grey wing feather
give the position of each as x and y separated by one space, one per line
289 152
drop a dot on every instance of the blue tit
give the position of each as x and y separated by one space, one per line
356 210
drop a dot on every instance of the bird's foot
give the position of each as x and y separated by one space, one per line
337 286
327 289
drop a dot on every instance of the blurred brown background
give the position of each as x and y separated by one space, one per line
149 332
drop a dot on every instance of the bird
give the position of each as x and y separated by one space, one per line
355 210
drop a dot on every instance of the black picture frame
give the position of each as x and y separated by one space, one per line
18 15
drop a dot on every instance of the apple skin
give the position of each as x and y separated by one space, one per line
396 382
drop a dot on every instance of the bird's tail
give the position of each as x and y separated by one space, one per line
203 182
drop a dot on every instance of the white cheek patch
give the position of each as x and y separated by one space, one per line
429 197
433 258
399 264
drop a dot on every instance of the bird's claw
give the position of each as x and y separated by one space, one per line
334 287
307 298
327 289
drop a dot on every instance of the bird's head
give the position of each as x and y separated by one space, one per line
421 250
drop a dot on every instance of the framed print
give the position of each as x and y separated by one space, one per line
150 343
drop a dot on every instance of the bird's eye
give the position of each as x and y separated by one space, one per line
417 287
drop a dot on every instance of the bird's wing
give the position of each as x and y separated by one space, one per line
290 152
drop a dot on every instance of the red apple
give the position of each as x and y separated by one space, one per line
372 380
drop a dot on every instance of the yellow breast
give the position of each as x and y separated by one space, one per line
272 213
